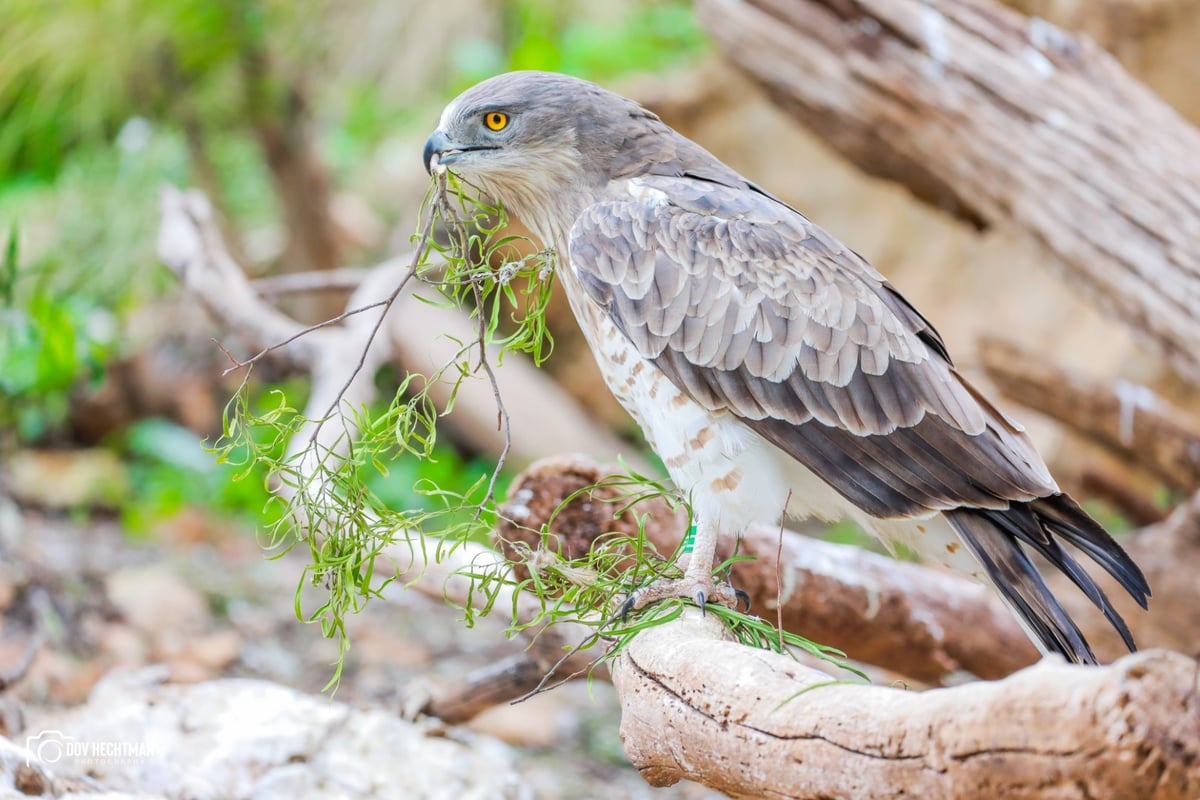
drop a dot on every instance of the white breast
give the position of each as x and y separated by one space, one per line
729 473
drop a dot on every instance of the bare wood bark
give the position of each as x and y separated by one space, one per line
913 620
1128 419
303 190
277 109
343 279
749 723
921 622
1110 22
1002 120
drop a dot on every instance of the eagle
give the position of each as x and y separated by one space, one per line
772 369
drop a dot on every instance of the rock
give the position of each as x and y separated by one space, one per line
241 738
155 600
216 650
68 478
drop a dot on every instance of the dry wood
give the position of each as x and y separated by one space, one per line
1128 419
343 279
1115 488
699 707
1000 119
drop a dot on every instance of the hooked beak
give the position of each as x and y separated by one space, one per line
440 149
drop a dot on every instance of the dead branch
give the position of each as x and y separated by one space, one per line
916 621
344 279
755 724
1133 503
191 245
1002 120
1129 420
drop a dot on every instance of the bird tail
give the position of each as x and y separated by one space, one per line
996 536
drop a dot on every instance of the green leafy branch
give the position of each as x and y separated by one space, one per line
323 488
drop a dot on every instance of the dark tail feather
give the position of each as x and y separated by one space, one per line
994 536
1061 515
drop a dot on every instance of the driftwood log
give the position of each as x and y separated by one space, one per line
1002 120
755 724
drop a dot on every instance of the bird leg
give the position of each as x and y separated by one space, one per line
697 558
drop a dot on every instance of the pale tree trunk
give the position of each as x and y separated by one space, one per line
1002 120
756 724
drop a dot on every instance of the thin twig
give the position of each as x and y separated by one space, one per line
303 331
542 684
502 418
418 255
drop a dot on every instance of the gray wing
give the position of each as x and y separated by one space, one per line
752 309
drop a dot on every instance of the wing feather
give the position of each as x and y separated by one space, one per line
752 310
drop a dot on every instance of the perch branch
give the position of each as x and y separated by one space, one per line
1129 420
1002 120
751 723
190 244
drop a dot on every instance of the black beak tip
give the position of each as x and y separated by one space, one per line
427 155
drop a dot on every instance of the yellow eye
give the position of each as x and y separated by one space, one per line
496 120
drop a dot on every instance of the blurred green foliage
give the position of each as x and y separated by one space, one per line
170 470
102 102
581 39
73 71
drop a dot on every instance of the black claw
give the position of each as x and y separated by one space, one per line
702 601
628 606
742 597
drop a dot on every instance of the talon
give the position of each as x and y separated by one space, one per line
628 606
742 597
702 601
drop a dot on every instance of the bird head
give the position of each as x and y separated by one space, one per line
539 142
521 120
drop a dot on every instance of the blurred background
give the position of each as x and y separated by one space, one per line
122 540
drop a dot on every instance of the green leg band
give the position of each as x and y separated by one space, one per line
689 541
